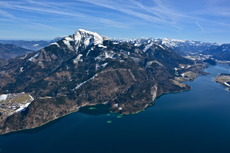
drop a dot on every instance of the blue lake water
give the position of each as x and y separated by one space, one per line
194 121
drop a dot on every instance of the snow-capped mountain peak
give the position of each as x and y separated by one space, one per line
90 37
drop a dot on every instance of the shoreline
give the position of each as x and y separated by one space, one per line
110 106
104 103
52 120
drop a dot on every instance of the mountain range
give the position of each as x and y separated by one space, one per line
220 53
179 46
87 69
9 51
30 45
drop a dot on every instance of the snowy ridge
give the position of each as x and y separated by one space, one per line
183 45
147 47
55 43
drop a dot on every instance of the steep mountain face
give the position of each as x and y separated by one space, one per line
221 53
9 51
179 46
86 69
30 45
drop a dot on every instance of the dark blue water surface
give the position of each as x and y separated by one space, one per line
194 121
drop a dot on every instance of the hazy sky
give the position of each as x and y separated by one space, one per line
204 20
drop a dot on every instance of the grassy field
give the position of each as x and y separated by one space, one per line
4 101
17 99
21 99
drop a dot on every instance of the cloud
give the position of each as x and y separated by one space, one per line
200 26
121 14
46 8
158 12
6 14
13 18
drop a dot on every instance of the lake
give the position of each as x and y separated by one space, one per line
194 121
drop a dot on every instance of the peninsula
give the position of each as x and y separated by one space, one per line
224 79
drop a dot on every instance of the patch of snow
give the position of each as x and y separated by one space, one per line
97 66
21 69
147 47
162 47
69 39
78 86
88 42
155 61
33 58
78 58
109 54
88 53
154 92
176 40
137 45
67 43
55 43
116 104
227 84
3 97
104 65
36 45
100 45
22 107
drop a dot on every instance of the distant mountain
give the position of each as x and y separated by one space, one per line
9 51
179 46
221 52
86 69
57 39
31 45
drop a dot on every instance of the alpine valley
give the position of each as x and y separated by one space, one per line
88 69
